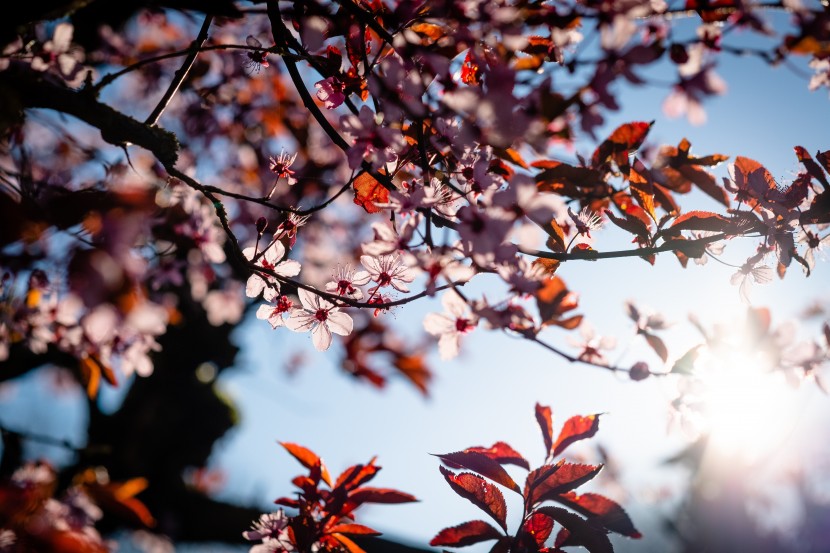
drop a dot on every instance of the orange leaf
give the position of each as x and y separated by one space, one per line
625 138
368 191
308 459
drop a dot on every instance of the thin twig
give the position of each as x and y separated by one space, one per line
181 74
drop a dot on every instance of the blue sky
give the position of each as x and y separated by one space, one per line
488 393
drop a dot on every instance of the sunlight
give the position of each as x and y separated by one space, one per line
747 409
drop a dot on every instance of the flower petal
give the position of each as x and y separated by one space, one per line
339 322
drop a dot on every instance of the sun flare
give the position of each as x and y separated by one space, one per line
747 409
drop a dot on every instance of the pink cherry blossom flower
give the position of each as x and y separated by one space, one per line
388 241
273 312
585 221
288 228
374 143
345 281
331 92
751 271
321 317
450 326
58 55
592 345
280 166
387 270
269 260
272 530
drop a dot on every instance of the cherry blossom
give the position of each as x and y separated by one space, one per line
321 317
270 260
374 143
450 326
585 221
272 529
592 345
345 282
749 272
387 270
280 166
330 92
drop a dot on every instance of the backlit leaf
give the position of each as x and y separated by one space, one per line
545 420
579 531
502 453
625 139
480 464
480 493
539 527
701 220
351 528
308 459
575 428
546 484
602 510
380 495
368 191
464 534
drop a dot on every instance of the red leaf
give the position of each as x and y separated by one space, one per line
631 224
380 495
502 453
545 420
350 546
464 534
470 71
357 529
368 191
624 139
575 428
706 183
547 482
308 459
356 475
657 345
554 300
539 527
480 493
579 531
600 509
480 464
701 220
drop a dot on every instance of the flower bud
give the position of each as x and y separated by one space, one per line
639 371
261 225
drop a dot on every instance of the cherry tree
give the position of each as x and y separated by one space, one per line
168 168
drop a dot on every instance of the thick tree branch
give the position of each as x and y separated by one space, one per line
36 90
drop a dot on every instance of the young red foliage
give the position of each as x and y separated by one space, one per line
466 533
368 191
625 139
502 453
480 464
602 510
483 495
575 428
545 420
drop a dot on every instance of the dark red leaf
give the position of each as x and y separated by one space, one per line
471 72
624 139
554 300
480 493
545 484
308 459
706 182
502 453
579 531
464 534
545 420
368 191
352 528
602 510
631 224
380 495
480 464
575 428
